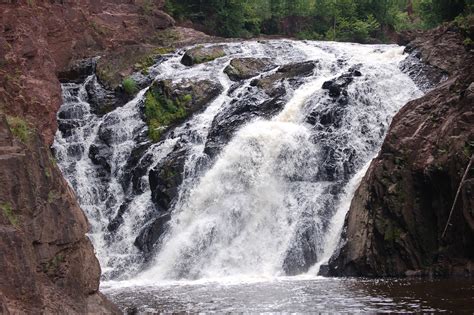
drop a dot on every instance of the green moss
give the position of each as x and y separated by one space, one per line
130 86
468 42
19 128
161 112
53 195
8 213
187 98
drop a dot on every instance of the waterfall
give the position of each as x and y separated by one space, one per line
271 199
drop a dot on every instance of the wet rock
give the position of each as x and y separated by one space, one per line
338 87
201 54
424 75
101 100
300 69
78 70
166 178
272 84
241 111
118 219
246 68
136 168
151 233
100 155
107 132
302 254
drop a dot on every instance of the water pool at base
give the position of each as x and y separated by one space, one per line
297 294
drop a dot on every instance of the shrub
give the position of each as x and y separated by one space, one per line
7 211
19 128
129 86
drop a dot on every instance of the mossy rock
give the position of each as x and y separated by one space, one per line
168 104
201 54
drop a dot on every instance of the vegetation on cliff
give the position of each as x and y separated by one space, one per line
345 20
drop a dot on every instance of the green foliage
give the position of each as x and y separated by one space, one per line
129 86
348 20
19 128
161 112
8 213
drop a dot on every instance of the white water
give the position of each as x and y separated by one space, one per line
264 199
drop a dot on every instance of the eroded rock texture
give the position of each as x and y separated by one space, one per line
47 262
396 220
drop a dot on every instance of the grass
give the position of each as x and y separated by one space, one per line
7 211
19 128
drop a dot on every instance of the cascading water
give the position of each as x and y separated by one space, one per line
271 199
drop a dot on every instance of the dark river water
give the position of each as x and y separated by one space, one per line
297 295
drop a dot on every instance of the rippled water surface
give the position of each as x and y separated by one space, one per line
298 295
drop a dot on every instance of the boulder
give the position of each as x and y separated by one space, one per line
271 84
151 233
245 68
201 54
241 111
166 178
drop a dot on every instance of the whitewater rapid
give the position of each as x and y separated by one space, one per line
274 199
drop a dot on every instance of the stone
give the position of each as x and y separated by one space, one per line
201 54
246 68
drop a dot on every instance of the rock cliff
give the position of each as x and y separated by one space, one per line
397 217
47 263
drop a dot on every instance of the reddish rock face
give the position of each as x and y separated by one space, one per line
395 224
47 263
39 40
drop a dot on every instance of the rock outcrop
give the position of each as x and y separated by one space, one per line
47 263
398 215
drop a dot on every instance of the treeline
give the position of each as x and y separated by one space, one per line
344 20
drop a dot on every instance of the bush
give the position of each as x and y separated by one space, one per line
129 86
19 128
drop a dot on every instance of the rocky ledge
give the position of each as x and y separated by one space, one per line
396 222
